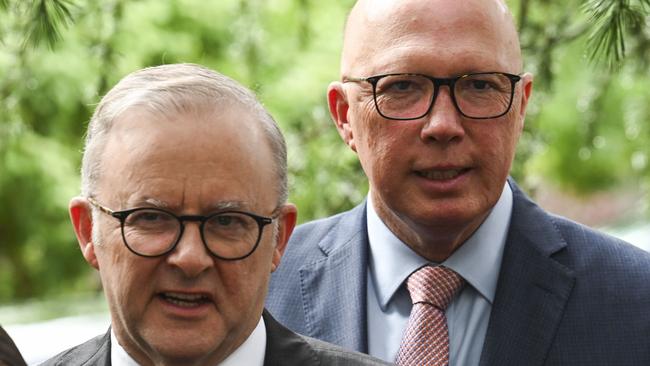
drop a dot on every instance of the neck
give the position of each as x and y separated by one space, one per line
433 241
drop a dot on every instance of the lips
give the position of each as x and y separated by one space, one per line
185 300
441 174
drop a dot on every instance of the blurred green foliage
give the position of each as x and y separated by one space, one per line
587 128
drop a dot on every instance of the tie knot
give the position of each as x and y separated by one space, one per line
434 285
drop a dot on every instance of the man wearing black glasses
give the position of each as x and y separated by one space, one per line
184 214
447 261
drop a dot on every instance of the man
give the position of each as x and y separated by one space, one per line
183 212
432 99
9 354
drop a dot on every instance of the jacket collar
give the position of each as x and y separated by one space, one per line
532 291
334 287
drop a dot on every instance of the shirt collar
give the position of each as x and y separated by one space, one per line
478 260
251 352
119 357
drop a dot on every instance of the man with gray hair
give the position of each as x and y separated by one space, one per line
184 214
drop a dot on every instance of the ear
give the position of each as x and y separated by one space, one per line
527 83
339 106
82 221
286 224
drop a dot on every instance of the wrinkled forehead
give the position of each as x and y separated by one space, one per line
216 152
375 28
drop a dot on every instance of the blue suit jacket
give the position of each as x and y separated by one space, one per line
566 295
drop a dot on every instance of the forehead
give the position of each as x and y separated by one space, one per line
441 37
208 155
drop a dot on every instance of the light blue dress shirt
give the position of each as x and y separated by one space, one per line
478 261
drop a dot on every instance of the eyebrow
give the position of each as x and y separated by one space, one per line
156 202
229 205
215 207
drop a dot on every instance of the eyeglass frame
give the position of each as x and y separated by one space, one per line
121 215
437 83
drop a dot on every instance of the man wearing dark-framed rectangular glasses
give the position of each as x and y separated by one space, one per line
448 262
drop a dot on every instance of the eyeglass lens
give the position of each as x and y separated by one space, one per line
152 232
410 96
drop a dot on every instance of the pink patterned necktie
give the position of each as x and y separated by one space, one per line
426 338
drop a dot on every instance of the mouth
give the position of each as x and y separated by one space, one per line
441 174
185 300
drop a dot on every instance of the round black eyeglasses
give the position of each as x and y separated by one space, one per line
154 232
407 96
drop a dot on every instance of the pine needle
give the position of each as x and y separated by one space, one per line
47 19
613 20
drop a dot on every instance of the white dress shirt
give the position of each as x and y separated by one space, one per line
478 261
251 352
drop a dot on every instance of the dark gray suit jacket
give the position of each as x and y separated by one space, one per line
566 294
283 348
9 354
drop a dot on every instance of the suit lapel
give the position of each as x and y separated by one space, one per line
532 291
334 288
102 355
285 348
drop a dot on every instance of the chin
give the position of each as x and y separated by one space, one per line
447 214
178 352
191 342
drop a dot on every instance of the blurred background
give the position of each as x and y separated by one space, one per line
584 154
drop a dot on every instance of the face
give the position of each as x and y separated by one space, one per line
433 180
186 306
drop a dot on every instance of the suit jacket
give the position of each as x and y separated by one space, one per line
9 354
283 348
566 294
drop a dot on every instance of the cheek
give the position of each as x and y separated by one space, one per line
386 151
362 117
392 144
123 273
497 149
245 279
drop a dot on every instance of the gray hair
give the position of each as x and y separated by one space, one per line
175 88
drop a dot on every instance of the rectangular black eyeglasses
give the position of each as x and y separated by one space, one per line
408 96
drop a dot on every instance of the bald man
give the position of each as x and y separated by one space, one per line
432 99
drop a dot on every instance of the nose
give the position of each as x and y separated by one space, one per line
443 124
190 255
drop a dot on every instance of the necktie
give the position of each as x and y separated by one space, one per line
426 339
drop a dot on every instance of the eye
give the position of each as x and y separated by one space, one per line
229 225
224 220
480 84
483 83
149 218
402 84
230 221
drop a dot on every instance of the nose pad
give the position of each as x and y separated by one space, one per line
444 122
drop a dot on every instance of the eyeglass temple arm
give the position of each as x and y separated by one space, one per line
100 207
